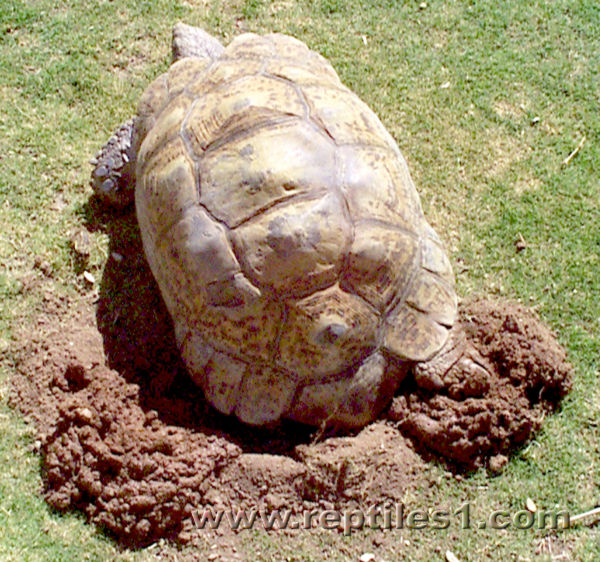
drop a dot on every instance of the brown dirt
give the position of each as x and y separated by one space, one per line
127 439
530 374
137 460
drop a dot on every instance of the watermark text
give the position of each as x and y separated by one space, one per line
395 516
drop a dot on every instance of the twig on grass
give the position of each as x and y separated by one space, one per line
568 159
584 515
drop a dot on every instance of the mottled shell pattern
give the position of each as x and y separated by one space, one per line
286 236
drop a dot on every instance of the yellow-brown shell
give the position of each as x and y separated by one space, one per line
286 235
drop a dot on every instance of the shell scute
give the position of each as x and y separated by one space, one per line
296 248
381 261
255 171
325 334
211 116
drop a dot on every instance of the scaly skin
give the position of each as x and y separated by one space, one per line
189 41
457 368
113 176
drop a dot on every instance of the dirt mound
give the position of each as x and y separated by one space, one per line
530 374
141 465
130 441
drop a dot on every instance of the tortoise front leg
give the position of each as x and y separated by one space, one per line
189 41
113 176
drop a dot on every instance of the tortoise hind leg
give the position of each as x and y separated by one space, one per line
457 368
113 176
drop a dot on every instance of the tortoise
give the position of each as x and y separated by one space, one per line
286 236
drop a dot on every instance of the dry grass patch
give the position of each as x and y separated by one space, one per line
503 152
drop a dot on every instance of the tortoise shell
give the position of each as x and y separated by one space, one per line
285 233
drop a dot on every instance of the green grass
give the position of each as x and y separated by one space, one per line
486 100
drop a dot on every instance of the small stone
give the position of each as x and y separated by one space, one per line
43 265
101 171
116 256
530 505
84 414
497 463
520 243
274 501
89 277
81 242
451 557
107 186
367 557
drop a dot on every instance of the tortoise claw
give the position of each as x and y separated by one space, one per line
457 369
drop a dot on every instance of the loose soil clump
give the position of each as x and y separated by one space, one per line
130 441
530 376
